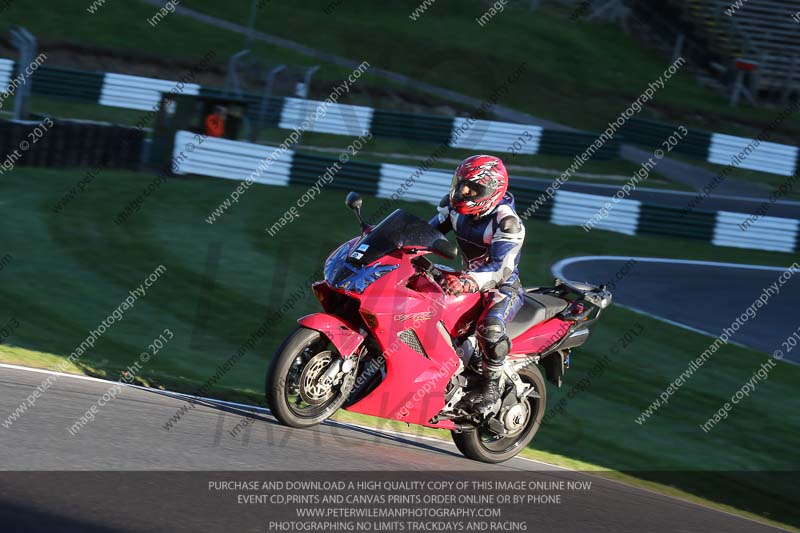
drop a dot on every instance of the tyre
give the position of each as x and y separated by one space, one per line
294 391
483 445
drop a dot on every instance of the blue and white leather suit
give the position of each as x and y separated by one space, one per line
491 246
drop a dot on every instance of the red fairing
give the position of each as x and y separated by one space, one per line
414 323
539 337
413 389
337 330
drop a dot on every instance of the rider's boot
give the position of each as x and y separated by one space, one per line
488 391
494 345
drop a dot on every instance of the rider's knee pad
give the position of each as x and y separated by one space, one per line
494 341
491 329
496 352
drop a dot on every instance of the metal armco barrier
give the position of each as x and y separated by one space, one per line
238 160
718 148
136 92
766 156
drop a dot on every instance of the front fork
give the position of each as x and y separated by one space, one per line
337 371
348 343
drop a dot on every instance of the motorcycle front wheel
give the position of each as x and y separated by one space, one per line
483 445
298 391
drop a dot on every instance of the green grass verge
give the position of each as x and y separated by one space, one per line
64 108
71 269
122 29
582 74
15 355
123 26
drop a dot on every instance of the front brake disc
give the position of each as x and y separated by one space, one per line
311 390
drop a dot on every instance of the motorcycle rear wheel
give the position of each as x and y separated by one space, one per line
482 445
293 391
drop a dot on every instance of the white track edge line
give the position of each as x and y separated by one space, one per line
561 264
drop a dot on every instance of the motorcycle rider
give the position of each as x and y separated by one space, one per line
480 210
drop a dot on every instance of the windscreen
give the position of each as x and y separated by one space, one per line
395 231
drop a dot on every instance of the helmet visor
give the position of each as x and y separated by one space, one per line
465 190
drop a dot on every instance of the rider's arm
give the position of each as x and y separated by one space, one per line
442 220
504 251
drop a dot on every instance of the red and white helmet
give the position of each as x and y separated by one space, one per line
487 177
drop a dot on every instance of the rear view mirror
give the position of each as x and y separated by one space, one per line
353 201
445 248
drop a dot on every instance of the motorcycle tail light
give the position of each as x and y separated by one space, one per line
370 319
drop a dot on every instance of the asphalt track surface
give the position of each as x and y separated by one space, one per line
127 438
697 295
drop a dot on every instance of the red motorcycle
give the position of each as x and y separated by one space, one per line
390 343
